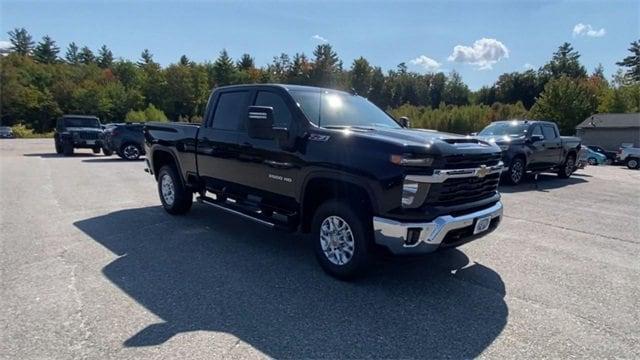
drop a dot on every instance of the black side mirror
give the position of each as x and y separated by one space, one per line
536 138
404 122
260 122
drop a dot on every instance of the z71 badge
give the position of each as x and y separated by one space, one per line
318 137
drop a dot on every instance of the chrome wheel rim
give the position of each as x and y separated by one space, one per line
633 163
568 169
516 172
168 189
591 161
131 152
336 240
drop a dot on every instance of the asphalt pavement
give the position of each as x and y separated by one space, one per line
92 267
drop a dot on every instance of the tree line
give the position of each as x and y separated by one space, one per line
40 82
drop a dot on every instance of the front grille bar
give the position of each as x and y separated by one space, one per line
441 175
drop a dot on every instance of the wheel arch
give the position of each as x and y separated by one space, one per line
322 187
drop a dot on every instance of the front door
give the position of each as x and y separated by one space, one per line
537 159
553 145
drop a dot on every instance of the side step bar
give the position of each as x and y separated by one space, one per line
243 212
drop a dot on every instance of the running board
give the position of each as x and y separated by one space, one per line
230 209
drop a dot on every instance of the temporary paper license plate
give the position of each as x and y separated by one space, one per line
482 224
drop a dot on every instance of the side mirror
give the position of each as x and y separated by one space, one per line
536 138
404 122
260 122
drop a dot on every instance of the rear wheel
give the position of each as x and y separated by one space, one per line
516 171
107 152
342 239
67 148
568 167
633 163
96 150
592 161
176 199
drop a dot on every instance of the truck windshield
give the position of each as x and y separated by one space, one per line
333 109
512 129
81 122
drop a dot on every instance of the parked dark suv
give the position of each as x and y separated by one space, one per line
78 132
125 139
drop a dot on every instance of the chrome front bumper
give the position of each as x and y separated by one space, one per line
393 234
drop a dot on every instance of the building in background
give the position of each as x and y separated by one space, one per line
609 131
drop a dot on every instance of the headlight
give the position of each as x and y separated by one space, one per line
504 147
414 194
411 160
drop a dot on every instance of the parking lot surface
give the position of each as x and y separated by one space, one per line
92 267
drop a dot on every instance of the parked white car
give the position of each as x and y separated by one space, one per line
630 156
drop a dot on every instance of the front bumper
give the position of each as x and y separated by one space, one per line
444 231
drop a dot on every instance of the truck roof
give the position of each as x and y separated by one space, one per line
67 116
524 121
287 87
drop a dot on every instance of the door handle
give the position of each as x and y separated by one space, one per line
278 164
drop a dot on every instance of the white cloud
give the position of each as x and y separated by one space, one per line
4 46
319 38
483 54
426 62
528 66
587 30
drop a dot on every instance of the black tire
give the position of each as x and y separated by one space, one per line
181 200
96 150
592 161
516 172
568 167
67 148
360 227
107 152
633 163
58 147
130 151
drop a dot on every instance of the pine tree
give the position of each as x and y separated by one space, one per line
632 62
46 51
21 41
300 70
85 56
361 76
326 66
565 61
72 54
223 69
246 62
146 58
184 60
105 57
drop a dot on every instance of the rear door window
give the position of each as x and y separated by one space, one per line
549 132
230 109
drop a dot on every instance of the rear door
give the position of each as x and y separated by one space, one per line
217 143
552 144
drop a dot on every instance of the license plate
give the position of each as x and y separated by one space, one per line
482 224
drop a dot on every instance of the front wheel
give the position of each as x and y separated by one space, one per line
516 171
130 152
58 147
107 152
568 167
342 239
96 150
67 148
633 163
592 161
176 199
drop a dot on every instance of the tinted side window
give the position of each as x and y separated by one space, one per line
549 132
536 130
281 114
309 102
230 109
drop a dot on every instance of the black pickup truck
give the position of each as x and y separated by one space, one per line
534 146
330 163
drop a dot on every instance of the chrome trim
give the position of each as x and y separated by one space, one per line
441 175
235 212
392 233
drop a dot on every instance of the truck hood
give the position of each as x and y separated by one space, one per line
430 141
501 139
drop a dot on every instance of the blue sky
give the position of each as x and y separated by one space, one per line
479 39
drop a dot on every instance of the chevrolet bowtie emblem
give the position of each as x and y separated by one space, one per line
482 171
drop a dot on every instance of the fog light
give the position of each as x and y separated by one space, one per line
413 236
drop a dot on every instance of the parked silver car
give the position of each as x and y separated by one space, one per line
630 156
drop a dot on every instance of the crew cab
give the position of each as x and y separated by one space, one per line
78 132
332 164
534 146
